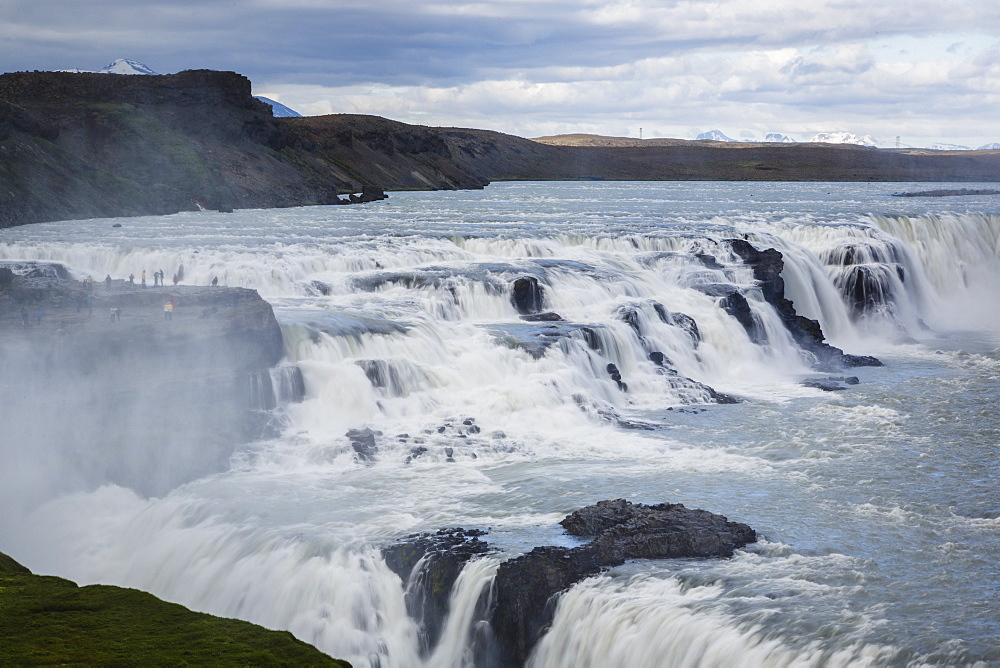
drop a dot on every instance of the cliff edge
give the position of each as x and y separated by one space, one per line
85 145
166 394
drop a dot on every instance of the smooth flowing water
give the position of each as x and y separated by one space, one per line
877 506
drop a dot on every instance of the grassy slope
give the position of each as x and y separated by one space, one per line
48 620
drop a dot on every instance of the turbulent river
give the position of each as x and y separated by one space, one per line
877 506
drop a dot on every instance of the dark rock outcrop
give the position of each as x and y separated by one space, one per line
620 530
524 590
548 316
807 333
363 442
81 145
527 295
737 306
429 564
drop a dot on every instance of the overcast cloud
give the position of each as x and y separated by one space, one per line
927 71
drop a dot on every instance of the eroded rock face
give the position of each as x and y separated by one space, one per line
134 398
620 530
808 334
525 586
429 564
527 295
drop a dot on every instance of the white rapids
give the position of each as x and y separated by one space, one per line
877 505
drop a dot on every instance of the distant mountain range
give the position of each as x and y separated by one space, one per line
80 146
839 138
126 66
119 66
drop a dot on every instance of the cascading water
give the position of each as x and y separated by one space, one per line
498 359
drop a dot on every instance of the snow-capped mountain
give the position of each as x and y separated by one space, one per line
989 147
844 138
279 110
126 66
718 135
714 135
948 147
119 66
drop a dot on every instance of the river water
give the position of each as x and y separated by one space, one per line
877 506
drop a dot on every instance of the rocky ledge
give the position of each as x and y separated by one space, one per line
171 368
524 587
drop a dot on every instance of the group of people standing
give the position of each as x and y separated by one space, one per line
158 277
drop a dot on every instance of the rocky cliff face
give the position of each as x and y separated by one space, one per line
81 145
133 399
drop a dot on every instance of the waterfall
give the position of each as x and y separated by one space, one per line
459 362
276 387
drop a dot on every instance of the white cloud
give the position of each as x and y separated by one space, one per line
532 66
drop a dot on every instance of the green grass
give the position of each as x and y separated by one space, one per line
48 620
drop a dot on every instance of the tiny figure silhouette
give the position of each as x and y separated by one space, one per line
143 278
116 314
176 278
107 281
168 311
131 279
215 280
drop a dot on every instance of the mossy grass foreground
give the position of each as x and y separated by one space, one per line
48 620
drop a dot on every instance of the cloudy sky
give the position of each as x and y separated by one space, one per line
925 70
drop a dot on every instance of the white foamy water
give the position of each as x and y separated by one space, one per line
878 504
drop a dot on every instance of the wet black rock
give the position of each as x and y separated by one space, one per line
737 306
548 316
661 360
363 442
861 360
536 339
441 556
688 324
527 295
807 333
822 384
868 288
624 530
620 530
525 587
630 316
617 377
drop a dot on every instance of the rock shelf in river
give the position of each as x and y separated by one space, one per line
523 590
